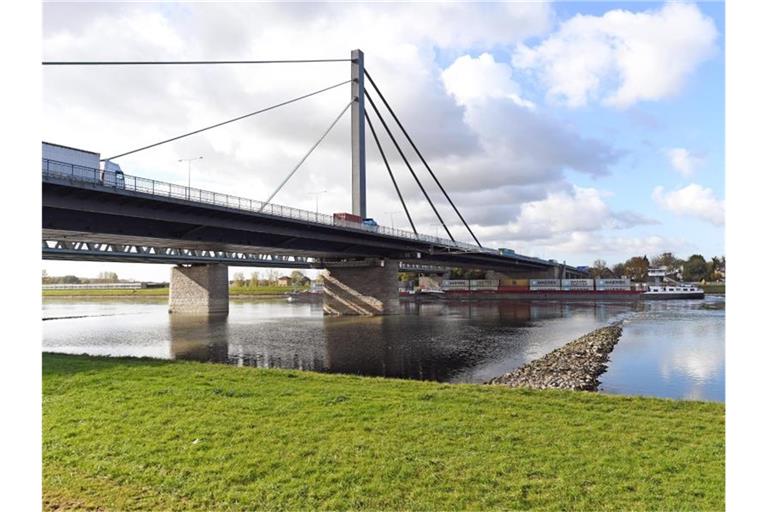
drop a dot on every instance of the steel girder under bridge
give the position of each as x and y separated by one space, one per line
68 250
94 251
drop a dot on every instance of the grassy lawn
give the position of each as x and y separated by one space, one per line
155 435
261 290
141 292
713 288
162 292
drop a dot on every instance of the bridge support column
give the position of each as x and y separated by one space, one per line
199 290
361 289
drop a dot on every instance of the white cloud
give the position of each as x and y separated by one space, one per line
479 147
694 201
581 210
476 80
565 212
583 247
595 244
621 57
683 160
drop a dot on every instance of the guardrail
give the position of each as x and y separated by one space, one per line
112 180
152 187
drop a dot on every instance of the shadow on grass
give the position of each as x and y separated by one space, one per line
68 364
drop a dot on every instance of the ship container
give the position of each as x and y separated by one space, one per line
486 285
537 285
577 284
72 156
82 165
341 218
612 284
455 285
513 285
513 282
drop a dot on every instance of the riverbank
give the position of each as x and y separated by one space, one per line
159 435
713 288
262 291
576 365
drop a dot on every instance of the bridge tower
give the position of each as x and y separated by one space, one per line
358 134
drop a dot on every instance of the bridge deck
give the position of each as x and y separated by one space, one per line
79 206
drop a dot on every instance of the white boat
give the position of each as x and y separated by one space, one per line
676 291
661 286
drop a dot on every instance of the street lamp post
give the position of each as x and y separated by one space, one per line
189 171
317 199
391 218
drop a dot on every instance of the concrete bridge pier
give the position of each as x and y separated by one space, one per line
361 288
199 290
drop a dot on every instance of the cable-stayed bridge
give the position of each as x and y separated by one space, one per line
93 215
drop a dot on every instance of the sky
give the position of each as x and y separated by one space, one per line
572 131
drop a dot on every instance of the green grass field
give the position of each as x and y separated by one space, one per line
122 434
142 292
713 288
162 292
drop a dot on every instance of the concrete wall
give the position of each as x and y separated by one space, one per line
362 290
199 290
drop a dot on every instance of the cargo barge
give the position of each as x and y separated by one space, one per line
526 295
552 289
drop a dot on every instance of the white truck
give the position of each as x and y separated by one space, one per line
82 165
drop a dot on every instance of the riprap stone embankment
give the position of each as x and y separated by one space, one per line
576 365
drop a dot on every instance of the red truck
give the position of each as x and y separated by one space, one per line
347 217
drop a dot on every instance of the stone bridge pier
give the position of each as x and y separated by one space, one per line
199 290
361 288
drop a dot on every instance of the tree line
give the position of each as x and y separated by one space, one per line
104 277
269 279
694 269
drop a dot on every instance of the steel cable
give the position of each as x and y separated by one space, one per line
290 174
183 62
423 160
402 155
229 121
389 170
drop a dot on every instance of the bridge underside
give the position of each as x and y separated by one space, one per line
91 214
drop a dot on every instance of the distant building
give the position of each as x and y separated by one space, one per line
284 281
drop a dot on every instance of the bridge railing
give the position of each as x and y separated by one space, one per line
114 180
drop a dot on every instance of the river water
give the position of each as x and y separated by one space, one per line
669 349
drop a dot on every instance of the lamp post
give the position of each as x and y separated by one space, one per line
317 199
391 218
189 170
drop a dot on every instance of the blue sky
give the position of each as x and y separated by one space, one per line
694 118
574 130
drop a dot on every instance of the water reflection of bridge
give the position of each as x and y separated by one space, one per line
406 346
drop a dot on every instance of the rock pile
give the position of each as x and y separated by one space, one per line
577 365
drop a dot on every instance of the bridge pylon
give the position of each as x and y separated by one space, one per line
358 134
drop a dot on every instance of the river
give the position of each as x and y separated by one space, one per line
671 349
